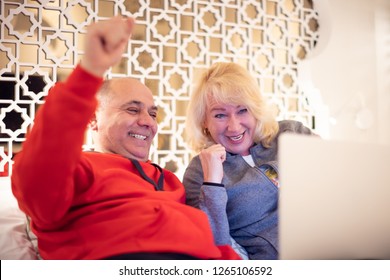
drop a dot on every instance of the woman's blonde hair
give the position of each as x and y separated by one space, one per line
228 83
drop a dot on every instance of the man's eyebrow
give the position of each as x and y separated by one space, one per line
134 102
140 104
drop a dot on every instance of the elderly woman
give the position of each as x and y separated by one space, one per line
234 178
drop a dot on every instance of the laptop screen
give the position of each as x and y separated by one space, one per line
334 199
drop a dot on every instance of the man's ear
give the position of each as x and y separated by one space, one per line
93 123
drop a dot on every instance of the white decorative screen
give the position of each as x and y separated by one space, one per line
41 42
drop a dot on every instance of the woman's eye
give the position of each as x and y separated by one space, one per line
242 111
153 115
219 116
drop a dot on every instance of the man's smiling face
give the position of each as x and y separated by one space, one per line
126 122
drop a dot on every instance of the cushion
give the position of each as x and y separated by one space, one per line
15 242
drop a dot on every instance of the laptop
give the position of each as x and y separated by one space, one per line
334 199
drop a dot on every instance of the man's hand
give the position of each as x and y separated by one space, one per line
105 43
211 160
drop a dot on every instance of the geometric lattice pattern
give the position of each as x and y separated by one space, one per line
174 40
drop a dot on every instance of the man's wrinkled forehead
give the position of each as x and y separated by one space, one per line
132 89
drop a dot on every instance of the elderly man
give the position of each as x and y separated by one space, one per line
112 203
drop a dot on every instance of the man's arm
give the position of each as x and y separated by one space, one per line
43 173
105 43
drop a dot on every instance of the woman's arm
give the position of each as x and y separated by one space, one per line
209 197
213 200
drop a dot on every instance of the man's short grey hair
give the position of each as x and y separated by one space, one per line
103 93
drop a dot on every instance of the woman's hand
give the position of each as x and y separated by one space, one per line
211 160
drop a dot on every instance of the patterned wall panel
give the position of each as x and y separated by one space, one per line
41 42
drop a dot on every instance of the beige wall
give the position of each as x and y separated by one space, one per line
351 68
382 20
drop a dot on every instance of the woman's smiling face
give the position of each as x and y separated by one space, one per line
231 125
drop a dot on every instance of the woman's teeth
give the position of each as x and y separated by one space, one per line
237 138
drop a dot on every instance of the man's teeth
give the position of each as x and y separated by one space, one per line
138 136
237 138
